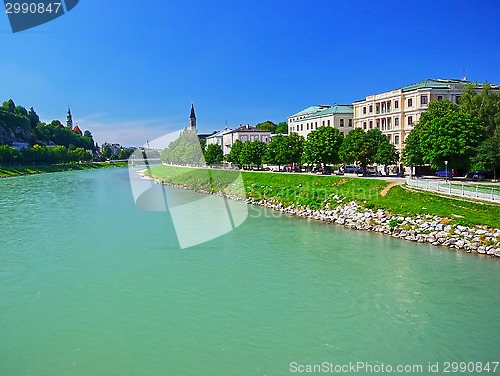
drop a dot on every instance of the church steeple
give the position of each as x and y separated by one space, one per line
192 119
69 119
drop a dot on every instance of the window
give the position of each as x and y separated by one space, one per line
323 123
252 138
307 126
371 124
396 104
440 97
301 127
328 122
396 140
364 110
410 102
266 139
316 124
396 122
457 99
364 125
410 120
371 108
341 122
350 122
423 99
243 138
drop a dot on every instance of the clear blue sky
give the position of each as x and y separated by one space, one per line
130 69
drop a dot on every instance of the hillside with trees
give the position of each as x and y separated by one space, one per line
47 143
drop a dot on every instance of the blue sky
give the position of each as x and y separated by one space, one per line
130 69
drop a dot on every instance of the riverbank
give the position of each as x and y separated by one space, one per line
357 204
19 171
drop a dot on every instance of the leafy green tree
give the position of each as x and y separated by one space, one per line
234 155
213 154
277 152
448 134
9 106
185 150
253 152
383 152
33 118
281 128
20 111
485 106
357 148
106 152
9 155
267 126
488 154
413 153
295 147
323 145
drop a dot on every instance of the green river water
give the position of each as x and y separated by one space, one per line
90 285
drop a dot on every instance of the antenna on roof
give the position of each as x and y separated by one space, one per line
464 77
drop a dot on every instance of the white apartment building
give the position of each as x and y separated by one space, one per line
338 116
394 112
243 133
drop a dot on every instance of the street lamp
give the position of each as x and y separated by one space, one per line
446 173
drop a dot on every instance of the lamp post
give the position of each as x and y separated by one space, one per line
446 173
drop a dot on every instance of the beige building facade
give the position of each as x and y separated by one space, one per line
394 112
337 116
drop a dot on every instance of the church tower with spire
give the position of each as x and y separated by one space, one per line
192 119
69 119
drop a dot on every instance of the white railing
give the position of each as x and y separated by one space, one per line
469 190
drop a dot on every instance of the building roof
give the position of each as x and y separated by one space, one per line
433 83
77 130
192 116
221 133
341 109
311 110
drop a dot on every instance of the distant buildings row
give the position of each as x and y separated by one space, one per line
393 112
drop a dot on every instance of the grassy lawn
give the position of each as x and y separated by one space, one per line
316 192
16 171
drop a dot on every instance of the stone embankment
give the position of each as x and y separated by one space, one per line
421 228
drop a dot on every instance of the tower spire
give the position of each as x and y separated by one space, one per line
192 119
69 119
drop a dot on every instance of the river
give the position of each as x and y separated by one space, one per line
90 285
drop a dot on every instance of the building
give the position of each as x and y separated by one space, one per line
218 138
394 112
69 119
77 130
337 116
244 133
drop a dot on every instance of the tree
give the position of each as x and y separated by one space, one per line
234 155
276 151
213 154
355 148
252 153
448 134
413 153
9 106
20 111
281 128
323 145
485 106
383 152
8 155
267 126
185 150
106 152
488 154
33 118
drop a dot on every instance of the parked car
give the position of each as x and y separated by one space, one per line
479 175
350 169
445 173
